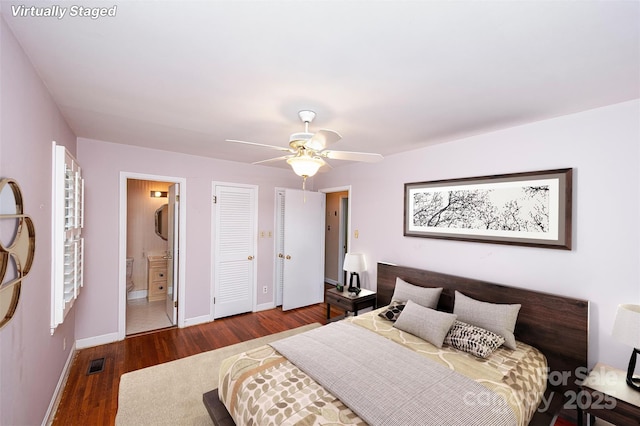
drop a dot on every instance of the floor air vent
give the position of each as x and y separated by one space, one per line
95 366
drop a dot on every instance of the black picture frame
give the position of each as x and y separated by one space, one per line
528 209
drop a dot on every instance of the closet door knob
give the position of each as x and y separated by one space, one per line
250 257
288 257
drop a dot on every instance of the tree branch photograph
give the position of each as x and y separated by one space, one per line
530 209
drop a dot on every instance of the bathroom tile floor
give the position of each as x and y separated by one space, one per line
145 316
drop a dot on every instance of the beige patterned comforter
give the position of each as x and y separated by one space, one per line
261 387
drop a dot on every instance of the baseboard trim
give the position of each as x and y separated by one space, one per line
97 340
265 307
330 281
137 294
57 393
197 320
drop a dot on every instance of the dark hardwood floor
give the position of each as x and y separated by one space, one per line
93 399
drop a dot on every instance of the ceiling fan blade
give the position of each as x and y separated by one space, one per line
322 139
367 157
284 157
279 148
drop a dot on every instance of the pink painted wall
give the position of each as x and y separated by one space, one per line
103 162
603 147
31 360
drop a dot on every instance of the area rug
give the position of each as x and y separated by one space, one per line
171 393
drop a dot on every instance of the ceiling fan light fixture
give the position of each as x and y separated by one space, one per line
305 166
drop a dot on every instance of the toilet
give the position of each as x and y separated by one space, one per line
129 274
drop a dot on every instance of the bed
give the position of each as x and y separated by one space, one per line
425 384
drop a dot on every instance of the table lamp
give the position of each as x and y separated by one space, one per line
626 329
355 264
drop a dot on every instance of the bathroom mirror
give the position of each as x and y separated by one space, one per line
162 221
17 247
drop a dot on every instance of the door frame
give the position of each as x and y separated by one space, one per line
122 245
348 224
342 240
277 273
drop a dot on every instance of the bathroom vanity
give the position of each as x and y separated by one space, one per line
156 278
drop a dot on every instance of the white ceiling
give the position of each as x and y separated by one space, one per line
389 76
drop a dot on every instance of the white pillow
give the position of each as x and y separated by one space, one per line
425 296
499 318
426 323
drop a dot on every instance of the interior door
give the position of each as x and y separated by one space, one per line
172 253
303 273
235 246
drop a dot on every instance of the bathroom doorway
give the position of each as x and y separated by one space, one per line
151 223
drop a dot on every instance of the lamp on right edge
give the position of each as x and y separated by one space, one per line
354 263
626 329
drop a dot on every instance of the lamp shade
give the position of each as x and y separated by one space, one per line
305 165
626 327
354 262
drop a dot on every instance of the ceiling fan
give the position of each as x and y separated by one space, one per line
307 151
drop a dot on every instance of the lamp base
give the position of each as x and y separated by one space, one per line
633 382
351 288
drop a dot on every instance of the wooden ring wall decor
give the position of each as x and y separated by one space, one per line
16 255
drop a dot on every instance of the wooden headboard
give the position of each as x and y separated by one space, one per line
558 326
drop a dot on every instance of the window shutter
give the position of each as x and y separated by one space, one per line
67 243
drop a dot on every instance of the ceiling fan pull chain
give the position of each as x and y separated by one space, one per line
304 190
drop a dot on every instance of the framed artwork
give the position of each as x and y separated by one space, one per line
529 209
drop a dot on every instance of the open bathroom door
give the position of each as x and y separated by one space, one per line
172 254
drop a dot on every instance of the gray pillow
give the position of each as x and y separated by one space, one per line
425 296
426 323
499 318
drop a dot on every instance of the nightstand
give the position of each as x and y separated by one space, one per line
606 395
349 302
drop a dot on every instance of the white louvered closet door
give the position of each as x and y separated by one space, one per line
235 247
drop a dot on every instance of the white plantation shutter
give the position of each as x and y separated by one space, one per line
67 243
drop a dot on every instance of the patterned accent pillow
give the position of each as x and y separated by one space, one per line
393 311
474 340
